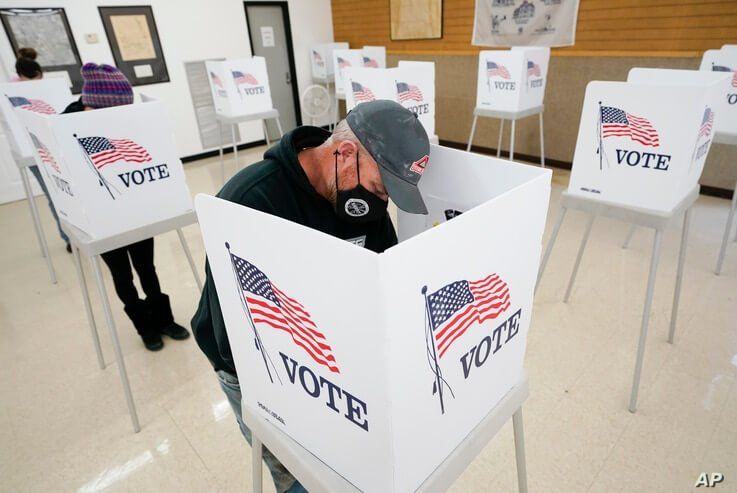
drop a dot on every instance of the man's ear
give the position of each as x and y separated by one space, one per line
346 149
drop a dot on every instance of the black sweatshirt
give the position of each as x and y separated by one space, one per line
278 185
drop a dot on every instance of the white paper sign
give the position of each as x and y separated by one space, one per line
725 61
343 59
412 84
267 36
321 59
47 96
525 23
512 80
335 344
240 87
111 170
142 71
643 145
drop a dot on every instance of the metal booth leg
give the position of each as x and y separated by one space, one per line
679 274
257 451
519 450
278 125
88 307
235 147
511 142
37 224
630 234
188 254
116 344
220 151
645 320
266 132
542 142
551 242
499 142
473 131
727 230
578 258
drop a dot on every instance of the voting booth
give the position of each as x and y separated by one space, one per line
118 162
412 85
239 87
397 355
373 57
512 80
321 59
724 61
643 145
343 59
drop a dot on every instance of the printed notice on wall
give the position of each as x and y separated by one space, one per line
267 36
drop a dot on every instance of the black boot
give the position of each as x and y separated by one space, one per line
163 319
140 315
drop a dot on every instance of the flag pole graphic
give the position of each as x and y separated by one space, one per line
237 86
103 181
433 357
600 150
257 336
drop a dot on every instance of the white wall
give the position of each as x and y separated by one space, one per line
188 30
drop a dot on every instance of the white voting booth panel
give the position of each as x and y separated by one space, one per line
412 85
343 59
724 61
111 170
370 361
239 87
321 59
642 145
512 80
373 57
47 96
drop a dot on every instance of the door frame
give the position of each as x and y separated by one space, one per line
290 47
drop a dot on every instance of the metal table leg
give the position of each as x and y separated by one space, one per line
679 274
519 450
645 320
116 344
37 224
630 234
473 131
266 132
727 230
235 147
257 451
188 254
278 125
542 142
511 142
220 151
578 258
88 307
551 242
499 142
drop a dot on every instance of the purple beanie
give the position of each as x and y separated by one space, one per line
105 86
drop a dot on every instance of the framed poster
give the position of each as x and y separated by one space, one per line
47 31
416 19
134 41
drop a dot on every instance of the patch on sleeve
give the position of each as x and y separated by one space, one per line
359 241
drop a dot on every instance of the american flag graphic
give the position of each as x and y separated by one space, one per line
343 63
722 68
244 78
216 80
370 62
706 123
533 69
618 123
495 70
35 105
269 305
456 307
408 92
44 154
361 93
318 58
103 151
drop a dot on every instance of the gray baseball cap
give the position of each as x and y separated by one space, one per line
397 141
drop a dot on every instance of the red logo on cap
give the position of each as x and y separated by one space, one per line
419 165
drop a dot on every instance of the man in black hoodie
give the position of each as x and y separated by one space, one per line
338 184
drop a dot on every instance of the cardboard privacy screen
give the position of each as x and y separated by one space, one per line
321 59
412 85
111 170
724 61
380 364
240 87
643 145
47 97
512 80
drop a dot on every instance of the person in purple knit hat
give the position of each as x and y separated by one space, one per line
106 86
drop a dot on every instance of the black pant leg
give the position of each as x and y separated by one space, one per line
120 268
142 257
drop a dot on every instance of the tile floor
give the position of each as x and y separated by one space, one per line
64 424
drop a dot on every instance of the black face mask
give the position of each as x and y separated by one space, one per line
357 205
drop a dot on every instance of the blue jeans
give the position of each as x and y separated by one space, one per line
283 480
37 173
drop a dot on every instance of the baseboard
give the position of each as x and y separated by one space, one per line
227 150
722 193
